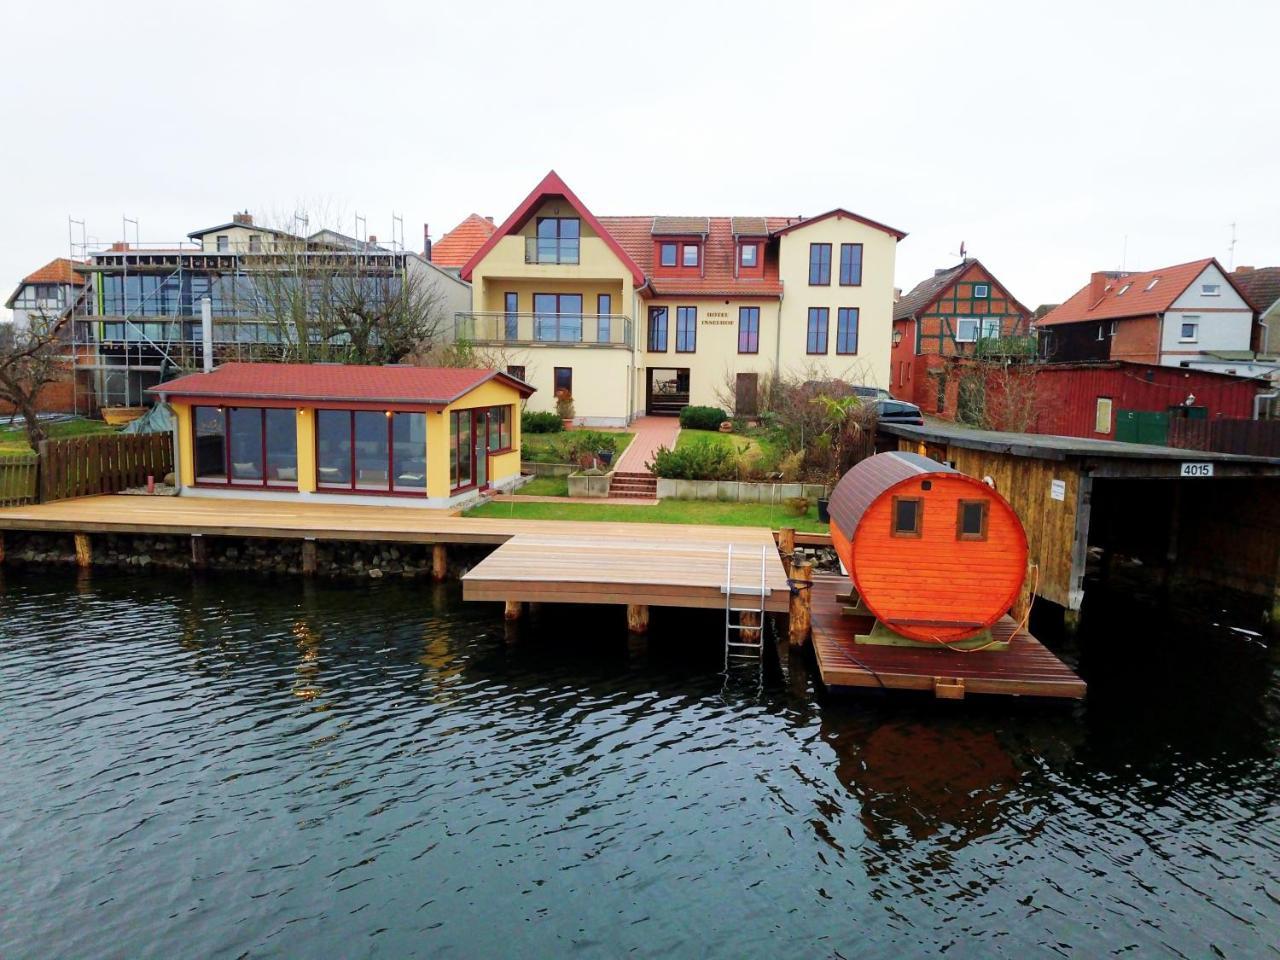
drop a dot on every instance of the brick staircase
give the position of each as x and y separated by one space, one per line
634 485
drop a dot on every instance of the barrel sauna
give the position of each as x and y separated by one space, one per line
934 554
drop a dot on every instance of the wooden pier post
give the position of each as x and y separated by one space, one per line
1022 605
512 609
787 547
638 617
749 619
199 552
1 548
84 551
308 558
439 562
801 602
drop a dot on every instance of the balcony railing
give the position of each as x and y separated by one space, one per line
544 250
601 330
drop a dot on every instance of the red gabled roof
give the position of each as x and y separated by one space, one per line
551 186
1135 301
635 236
323 382
61 270
460 244
837 212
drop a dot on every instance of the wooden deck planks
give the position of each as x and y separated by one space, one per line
1026 668
671 565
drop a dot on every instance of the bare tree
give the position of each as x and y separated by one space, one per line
999 394
346 302
31 357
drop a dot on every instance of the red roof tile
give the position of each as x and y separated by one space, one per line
634 236
457 246
61 270
1128 295
335 382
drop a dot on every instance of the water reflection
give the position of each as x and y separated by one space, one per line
383 765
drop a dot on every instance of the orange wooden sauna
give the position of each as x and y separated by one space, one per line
935 555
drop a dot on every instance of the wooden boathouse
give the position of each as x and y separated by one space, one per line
1194 516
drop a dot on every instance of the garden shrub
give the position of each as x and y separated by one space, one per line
531 422
703 459
702 418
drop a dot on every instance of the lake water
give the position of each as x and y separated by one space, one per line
230 767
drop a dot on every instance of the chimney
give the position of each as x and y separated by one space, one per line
940 271
372 238
1244 270
426 242
244 219
490 219
119 247
1098 285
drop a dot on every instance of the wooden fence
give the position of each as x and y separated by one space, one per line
1259 438
85 466
19 479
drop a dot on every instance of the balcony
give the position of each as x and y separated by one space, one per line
546 329
545 250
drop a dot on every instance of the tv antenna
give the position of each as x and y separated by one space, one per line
124 230
1231 249
963 255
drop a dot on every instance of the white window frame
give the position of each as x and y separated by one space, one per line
1194 324
1210 289
1114 326
986 291
1121 291
1152 285
973 336
982 328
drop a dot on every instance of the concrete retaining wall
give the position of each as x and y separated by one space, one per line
734 490
587 485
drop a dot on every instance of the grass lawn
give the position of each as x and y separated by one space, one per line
667 511
545 487
546 447
13 437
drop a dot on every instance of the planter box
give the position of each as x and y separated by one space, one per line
732 490
547 469
587 485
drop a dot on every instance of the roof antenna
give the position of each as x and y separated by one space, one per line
1231 250
1124 253
962 255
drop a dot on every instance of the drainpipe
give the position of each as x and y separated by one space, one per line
777 338
1266 336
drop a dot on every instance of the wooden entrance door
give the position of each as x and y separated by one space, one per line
746 395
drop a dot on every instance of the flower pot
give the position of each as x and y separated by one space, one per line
823 515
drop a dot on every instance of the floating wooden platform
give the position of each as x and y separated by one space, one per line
671 565
1027 668
644 567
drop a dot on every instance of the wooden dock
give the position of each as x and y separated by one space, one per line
1027 668
636 564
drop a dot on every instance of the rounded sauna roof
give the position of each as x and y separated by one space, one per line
936 582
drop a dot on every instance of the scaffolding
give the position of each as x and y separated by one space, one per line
137 319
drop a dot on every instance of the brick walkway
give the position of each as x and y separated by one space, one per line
651 433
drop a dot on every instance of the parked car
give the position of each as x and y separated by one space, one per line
899 411
874 393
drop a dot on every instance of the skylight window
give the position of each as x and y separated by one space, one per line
1120 292
1151 285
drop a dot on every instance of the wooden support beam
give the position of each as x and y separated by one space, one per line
801 602
308 558
948 688
512 609
787 547
439 562
1022 605
637 618
199 552
84 551
750 619
1 548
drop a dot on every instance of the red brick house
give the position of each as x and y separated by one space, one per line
960 312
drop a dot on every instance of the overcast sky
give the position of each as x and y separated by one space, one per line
1041 135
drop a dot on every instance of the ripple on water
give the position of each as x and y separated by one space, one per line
274 768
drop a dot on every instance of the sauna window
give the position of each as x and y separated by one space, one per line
971 520
906 516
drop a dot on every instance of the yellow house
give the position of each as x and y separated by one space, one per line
428 436
635 315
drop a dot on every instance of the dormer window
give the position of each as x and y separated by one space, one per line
667 257
749 255
689 255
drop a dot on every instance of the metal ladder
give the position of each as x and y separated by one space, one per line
735 646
